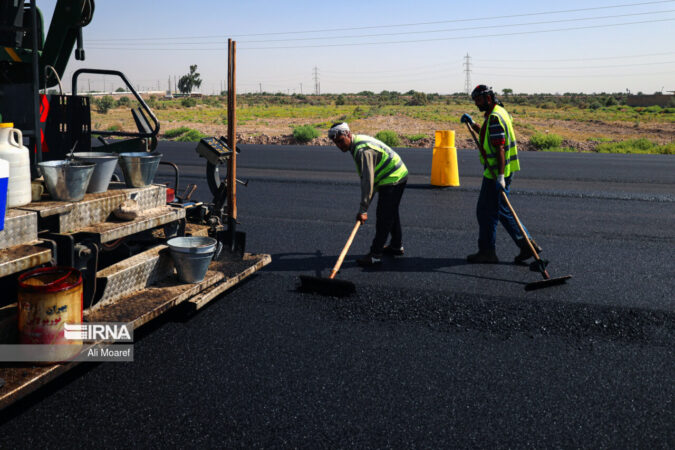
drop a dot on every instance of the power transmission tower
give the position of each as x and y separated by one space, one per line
467 71
317 85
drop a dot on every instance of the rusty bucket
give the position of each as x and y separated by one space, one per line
48 299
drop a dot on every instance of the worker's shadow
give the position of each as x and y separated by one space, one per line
316 263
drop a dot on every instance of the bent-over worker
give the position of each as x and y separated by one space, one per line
499 143
381 170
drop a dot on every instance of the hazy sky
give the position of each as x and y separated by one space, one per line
527 46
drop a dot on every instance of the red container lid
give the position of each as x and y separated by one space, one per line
50 279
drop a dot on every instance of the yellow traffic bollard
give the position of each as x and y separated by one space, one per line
444 170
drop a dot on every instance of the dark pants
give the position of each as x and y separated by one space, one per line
388 221
492 208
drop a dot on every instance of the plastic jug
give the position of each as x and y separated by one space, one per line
4 177
16 154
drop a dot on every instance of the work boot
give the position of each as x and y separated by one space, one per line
483 257
525 252
393 251
370 260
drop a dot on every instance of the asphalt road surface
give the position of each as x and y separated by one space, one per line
430 352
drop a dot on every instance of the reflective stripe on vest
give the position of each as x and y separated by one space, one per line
511 163
389 170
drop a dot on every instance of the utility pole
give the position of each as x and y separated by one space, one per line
317 85
169 85
260 87
467 70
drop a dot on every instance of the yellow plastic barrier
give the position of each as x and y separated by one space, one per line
444 170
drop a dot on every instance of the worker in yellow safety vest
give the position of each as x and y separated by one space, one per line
499 143
381 170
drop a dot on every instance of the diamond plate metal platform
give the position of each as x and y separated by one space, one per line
133 274
21 227
22 257
148 219
69 217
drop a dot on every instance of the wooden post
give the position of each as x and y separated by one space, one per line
232 133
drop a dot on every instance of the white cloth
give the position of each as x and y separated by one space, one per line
338 129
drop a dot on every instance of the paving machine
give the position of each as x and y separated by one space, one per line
127 271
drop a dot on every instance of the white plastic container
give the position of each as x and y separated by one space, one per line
16 154
4 177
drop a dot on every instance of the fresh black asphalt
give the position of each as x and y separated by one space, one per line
430 352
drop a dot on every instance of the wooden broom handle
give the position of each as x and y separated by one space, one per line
344 251
506 199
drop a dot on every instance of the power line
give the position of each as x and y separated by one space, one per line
626 5
515 33
399 33
461 37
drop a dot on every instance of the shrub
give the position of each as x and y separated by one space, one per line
123 101
104 104
542 141
191 136
188 102
305 133
417 137
388 137
418 99
175 132
611 101
340 100
641 145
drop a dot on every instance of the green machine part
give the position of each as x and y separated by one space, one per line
65 29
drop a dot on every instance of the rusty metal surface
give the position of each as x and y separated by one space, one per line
22 257
93 209
48 208
134 274
112 230
136 309
96 208
22 380
254 262
20 228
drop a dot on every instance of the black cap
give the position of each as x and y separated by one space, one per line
481 89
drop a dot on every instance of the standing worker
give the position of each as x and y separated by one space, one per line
381 170
499 143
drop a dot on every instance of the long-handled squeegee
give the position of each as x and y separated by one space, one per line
538 264
331 286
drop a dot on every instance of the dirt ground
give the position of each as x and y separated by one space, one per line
582 136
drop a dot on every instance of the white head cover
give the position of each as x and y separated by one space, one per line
337 130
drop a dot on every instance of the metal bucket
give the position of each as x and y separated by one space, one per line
105 166
192 255
66 180
139 167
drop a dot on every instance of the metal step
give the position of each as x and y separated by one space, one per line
148 219
70 217
133 274
22 257
21 227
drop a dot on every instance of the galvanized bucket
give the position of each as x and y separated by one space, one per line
139 167
105 166
65 180
192 256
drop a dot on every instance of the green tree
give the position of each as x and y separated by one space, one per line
188 82
340 100
507 92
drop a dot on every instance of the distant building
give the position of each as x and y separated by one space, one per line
651 100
